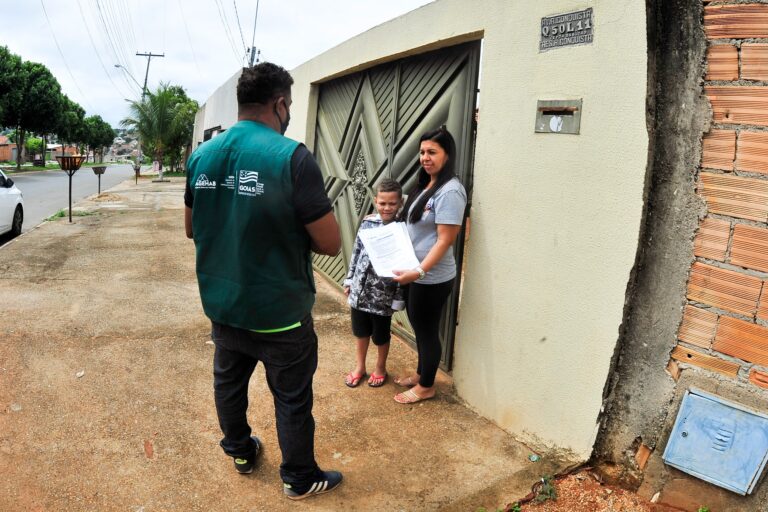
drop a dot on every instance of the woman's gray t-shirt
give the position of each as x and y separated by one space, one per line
445 207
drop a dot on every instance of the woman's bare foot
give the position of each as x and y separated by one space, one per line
415 394
409 380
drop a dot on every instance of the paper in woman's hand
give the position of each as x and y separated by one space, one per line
389 248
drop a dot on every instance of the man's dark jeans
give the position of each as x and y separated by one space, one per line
290 361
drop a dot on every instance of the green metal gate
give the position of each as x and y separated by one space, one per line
368 128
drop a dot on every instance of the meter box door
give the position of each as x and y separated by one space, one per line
721 442
558 116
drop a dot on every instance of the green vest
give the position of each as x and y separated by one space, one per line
254 267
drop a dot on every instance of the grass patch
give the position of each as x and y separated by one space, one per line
65 213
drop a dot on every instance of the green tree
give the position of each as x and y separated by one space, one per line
34 145
12 79
99 134
180 137
162 120
70 123
41 100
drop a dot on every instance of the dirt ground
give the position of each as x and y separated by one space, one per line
584 492
106 389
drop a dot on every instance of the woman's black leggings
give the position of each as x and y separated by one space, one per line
424 304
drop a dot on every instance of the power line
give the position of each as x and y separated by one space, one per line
227 31
93 44
253 51
117 32
189 38
85 99
239 27
255 19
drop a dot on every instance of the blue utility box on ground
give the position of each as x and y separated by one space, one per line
719 441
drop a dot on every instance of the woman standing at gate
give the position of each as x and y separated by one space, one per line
434 213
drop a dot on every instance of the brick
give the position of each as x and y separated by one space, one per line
758 378
754 61
736 21
698 327
642 455
724 289
712 239
762 307
711 363
739 104
674 369
746 198
750 247
719 150
722 62
752 152
744 340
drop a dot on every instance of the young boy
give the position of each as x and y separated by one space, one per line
373 299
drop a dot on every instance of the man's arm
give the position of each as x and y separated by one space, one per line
188 221
324 233
311 203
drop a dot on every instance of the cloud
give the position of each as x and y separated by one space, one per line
202 43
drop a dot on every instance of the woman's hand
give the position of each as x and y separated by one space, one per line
346 291
404 277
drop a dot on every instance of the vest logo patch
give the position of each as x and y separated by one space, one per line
204 182
248 184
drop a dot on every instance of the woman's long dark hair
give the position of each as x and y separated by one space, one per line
445 140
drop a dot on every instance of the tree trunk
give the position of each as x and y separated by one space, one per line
20 138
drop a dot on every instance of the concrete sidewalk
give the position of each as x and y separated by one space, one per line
106 396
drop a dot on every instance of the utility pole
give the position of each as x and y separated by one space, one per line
254 55
146 75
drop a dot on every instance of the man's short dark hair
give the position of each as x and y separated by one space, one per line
263 82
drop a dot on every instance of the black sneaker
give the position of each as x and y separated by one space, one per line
326 481
244 466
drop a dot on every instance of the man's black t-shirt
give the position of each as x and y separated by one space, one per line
309 198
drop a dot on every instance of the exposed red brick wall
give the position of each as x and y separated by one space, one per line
725 324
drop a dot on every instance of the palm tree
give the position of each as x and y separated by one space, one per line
153 118
163 120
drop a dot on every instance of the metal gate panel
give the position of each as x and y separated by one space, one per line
368 128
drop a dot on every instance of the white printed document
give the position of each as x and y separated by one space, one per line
389 248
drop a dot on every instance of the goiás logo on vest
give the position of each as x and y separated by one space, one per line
204 182
248 184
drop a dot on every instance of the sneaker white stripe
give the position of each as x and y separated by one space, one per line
324 486
313 488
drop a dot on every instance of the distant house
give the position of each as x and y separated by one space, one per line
7 149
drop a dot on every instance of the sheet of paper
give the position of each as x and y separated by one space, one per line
389 248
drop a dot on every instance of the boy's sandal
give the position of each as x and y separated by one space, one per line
406 381
410 397
376 381
353 379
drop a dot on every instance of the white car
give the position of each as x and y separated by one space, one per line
11 207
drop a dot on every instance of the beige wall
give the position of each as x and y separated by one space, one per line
555 218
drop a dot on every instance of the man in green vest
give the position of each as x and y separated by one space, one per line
256 206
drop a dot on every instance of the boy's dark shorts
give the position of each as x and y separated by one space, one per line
366 324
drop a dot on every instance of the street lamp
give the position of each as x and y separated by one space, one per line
134 80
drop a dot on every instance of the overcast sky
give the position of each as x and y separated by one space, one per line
80 41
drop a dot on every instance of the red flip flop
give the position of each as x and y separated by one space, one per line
376 381
352 380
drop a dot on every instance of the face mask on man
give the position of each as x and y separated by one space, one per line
283 125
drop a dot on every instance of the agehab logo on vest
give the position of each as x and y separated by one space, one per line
204 182
248 184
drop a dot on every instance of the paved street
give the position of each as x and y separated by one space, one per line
46 192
